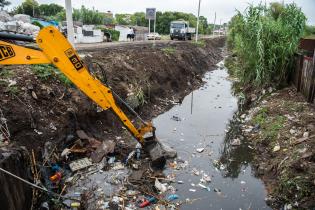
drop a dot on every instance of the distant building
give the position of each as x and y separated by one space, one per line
140 32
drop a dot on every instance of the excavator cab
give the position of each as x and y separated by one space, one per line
55 49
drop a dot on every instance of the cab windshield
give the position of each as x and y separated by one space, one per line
178 25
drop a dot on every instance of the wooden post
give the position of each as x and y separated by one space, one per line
312 89
299 71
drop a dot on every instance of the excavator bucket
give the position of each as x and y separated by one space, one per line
158 151
153 147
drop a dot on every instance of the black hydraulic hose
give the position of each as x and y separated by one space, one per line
16 37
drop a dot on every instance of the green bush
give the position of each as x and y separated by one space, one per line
264 39
309 31
114 34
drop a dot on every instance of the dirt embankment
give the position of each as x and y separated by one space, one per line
280 126
38 107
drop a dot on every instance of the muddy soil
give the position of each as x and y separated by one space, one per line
280 126
38 107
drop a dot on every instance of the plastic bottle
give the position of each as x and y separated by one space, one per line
56 177
172 197
148 202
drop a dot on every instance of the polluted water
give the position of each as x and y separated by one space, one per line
209 172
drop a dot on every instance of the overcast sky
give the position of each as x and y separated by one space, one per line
225 9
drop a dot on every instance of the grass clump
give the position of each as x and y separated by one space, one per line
264 40
46 71
5 73
270 125
200 43
14 90
169 50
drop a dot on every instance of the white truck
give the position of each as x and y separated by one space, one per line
180 30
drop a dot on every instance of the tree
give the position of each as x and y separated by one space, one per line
138 19
28 7
50 9
88 16
203 25
123 19
4 3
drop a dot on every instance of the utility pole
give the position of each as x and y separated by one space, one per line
154 22
70 30
220 27
149 26
215 18
197 29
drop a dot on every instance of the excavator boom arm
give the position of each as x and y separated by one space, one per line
58 51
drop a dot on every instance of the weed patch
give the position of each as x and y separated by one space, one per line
169 50
46 71
200 43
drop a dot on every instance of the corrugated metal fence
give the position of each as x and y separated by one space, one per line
304 75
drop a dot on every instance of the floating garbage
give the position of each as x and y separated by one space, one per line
200 150
162 188
176 118
192 190
172 197
204 187
148 202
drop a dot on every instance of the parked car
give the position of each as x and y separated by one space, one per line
154 36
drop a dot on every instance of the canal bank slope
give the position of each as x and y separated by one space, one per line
280 128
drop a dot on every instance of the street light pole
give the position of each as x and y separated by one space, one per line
70 30
197 29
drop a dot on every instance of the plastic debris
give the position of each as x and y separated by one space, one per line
65 153
56 177
200 150
162 188
131 154
195 171
131 192
111 160
236 142
75 205
176 118
80 164
148 202
217 190
138 151
276 148
205 178
172 197
118 166
192 190
204 187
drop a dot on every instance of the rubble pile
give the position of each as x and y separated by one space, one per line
19 23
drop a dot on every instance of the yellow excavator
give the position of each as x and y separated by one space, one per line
55 49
